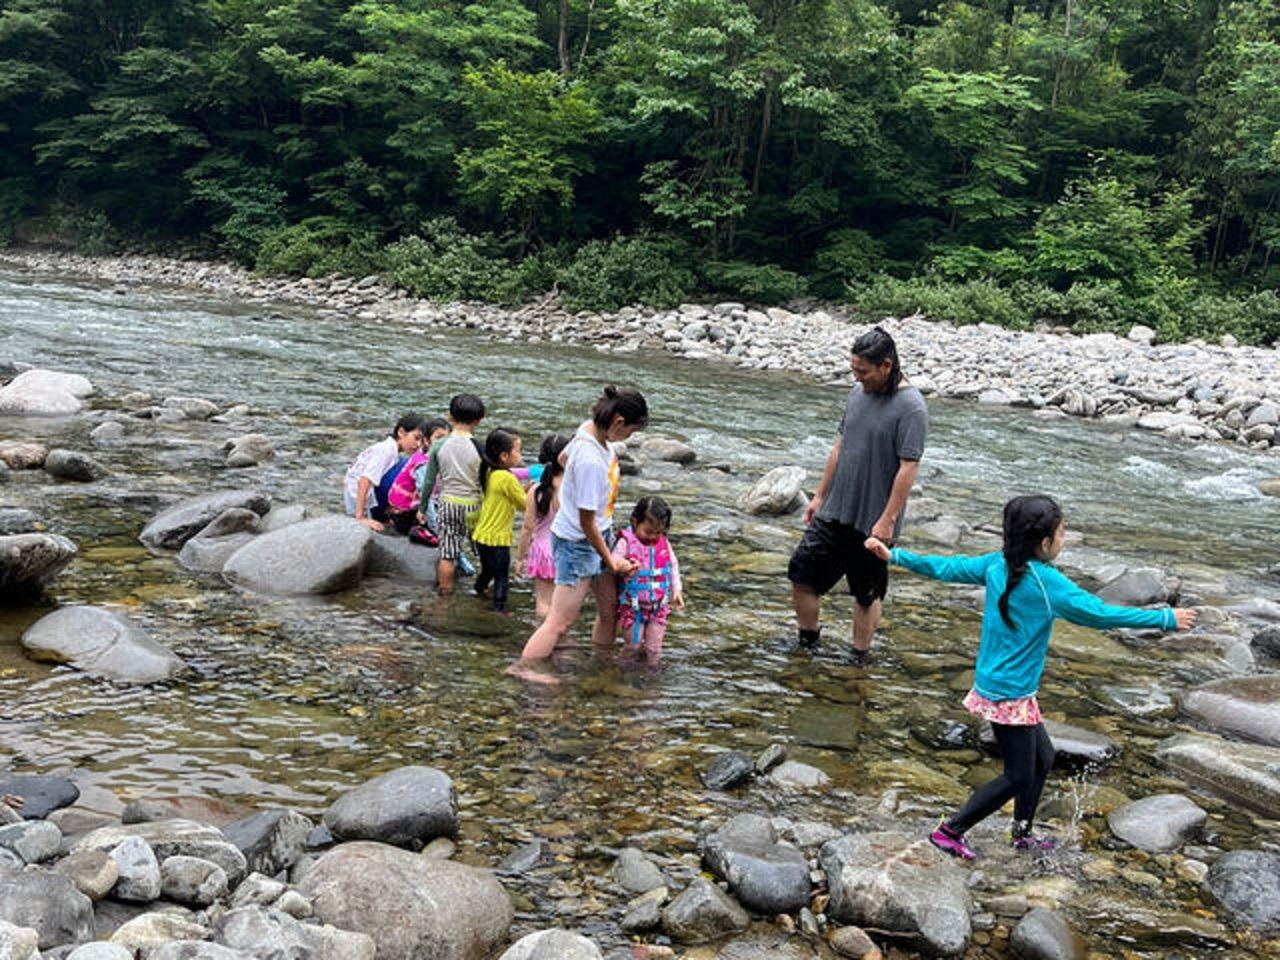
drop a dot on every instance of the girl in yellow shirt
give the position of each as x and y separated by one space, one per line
494 532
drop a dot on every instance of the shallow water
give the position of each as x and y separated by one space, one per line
293 701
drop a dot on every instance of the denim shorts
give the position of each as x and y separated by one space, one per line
575 560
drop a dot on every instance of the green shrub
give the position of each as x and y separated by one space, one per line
319 246
764 284
847 256
444 262
974 301
68 225
609 274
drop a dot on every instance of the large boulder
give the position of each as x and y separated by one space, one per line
1044 935
1245 773
1136 588
767 877
1247 707
1247 883
1073 746
44 393
1157 824
703 912
272 840
779 491
30 560
102 644
412 906
72 465
263 932
407 807
41 794
171 838
315 556
892 881
552 945
399 558
182 521
48 903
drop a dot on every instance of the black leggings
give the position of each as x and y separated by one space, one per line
1028 757
495 566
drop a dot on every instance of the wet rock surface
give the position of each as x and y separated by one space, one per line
1157 824
406 807
28 561
317 556
101 643
1247 883
1247 707
178 524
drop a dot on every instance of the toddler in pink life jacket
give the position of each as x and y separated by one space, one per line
647 596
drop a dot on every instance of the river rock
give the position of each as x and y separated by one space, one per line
1247 707
206 810
281 516
635 872
195 950
102 644
412 906
22 454
192 881
1157 824
264 932
192 408
1044 935
553 945
139 871
1267 412
728 769
399 558
323 555
671 451
18 943
854 942
703 912
228 522
780 491
1269 487
49 904
106 433
896 882
35 841
44 393
249 450
272 840
171 838
203 554
1136 588
798 776
178 524
767 877
92 871
1245 773
406 807
1247 883
16 520
149 930
28 561
1072 745
70 465
103 951
1267 640
41 795
257 891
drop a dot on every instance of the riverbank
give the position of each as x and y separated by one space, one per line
1194 391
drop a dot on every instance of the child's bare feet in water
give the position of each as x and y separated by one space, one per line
523 671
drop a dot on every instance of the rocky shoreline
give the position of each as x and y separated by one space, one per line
1194 391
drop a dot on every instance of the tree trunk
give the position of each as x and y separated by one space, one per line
764 137
1062 59
563 45
586 37
1220 233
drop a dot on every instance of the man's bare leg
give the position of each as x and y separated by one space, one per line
808 606
865 621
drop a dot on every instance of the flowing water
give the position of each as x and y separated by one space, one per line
292 701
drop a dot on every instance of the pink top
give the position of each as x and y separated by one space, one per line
404 490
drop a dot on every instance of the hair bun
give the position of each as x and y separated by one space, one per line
610 391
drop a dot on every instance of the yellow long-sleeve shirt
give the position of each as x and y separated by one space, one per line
503 496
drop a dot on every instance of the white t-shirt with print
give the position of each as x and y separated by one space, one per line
590 483
372 463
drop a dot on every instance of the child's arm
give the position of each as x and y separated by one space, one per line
677 585
427 479
955 569
510 488
620 559
526 528
1079 606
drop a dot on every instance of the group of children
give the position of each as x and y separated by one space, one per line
437 483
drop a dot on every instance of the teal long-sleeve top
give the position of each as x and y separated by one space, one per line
1011 660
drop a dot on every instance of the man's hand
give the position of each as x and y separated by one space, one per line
1185 617
812 509
876 546
883 530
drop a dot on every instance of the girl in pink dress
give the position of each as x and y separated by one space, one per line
533 555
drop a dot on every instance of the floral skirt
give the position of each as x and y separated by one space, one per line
1022 712
539 565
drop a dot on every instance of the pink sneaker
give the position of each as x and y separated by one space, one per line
951 843
1033 842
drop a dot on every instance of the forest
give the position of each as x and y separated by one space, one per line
1082 163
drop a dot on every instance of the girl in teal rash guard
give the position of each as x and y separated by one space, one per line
1024 595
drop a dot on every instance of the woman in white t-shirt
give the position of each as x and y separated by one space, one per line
372 470
580 534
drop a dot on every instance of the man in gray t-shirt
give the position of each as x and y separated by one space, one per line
863 492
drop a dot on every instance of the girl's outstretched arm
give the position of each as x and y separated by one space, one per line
526 528
1074 603
957 569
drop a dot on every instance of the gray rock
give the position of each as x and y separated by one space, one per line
874 883
171 838
249 450
1267 640
552 945
107 432
644 913
70 465
1141 334
93 872
1072 745
22 454
279 517
16 520
522 859
1157 824
272 840
257 891
406 807
152 929
35 841
48 903
317 556
138 869
767 877
44 393
192 881
234 520
671 451
28 561
798 776
41 795
178 524
204 810
1267 412
412 906
1244 773
102 644
18 943
274 935
192 408
1044 935
728 769
1247 707
780 491
703 912
102 951
399 558
196 950
1247 883
1136 588
770 757
203 554
294 904
635 872
441 848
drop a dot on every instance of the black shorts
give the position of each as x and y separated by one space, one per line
829 551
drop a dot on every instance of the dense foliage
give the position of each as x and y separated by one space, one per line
1087 162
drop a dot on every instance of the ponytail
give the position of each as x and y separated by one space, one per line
620 402
1027 521
549 456
876 346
